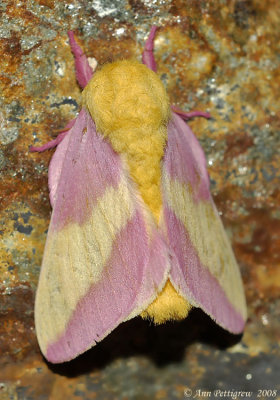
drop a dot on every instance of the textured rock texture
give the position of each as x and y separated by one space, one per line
217 56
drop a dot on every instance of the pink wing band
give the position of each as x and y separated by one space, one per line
132 270
82 147
191 277
101 309
148 56
83 69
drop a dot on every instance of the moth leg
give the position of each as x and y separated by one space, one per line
53 143
83 69
191 114
148 56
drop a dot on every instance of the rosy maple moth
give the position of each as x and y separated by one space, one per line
134 230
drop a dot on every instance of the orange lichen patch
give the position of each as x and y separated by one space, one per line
23 236
47 3
140 7
121 49
264 240
191 59
10 47
193 9
267 279
16 323
17 187
238 143
10 51
9 88
26 16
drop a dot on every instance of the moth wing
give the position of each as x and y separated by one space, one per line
104 260
206 272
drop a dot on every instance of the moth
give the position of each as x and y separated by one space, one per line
134 230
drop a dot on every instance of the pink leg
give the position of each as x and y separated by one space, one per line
56 141
83 69
148 55
191 114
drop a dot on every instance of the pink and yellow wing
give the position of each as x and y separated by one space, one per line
104 261
206 272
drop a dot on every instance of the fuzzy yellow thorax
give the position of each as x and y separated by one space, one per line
130 107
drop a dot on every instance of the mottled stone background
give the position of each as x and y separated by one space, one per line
219 56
